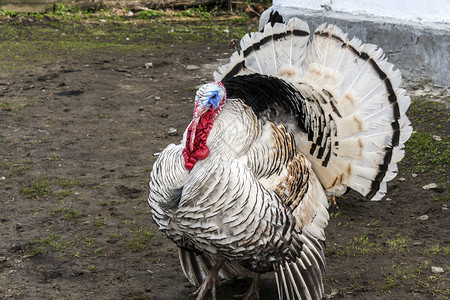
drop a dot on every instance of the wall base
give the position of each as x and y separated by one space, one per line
420 51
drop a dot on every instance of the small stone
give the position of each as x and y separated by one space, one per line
444 206
164 115
388 199
192 67
157 98
437 138
437 270
2 178
414 175
430 186
128 75
148 65
226 31
402 179
422 218
172 131
141 108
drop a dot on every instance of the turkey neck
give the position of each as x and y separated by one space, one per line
200 150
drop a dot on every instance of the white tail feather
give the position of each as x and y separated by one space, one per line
351 88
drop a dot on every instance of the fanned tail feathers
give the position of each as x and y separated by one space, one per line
362 95
271 52
351 102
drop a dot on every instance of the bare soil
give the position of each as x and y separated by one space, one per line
81 118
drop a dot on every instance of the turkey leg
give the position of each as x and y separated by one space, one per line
210 282
253 291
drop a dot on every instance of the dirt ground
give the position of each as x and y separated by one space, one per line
81 118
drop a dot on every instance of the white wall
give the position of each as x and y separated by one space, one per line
407 10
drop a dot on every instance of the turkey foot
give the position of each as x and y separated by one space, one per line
210 282
253 291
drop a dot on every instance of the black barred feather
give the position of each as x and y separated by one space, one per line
275 17
267 96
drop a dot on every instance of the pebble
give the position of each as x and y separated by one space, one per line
192 67
437 270
430 186
402 179
172 131
422 218
444 206
2 178
388 199
148 65
157 98
437 138
414 175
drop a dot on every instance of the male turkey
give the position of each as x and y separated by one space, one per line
285 124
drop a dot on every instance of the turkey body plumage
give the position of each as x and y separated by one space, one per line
300 120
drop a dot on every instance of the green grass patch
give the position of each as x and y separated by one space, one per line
70 246
55 241
41 187
7 13
426 113
399 244
35 252
65 32
100 223
427 154
4 140
437 249
20 167
68 214
13 107
149 14
357 246
63 194
69 182
140 238
428 149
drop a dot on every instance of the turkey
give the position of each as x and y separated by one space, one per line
287 123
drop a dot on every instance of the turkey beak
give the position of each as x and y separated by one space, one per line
198 113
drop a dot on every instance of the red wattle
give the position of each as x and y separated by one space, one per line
200 150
